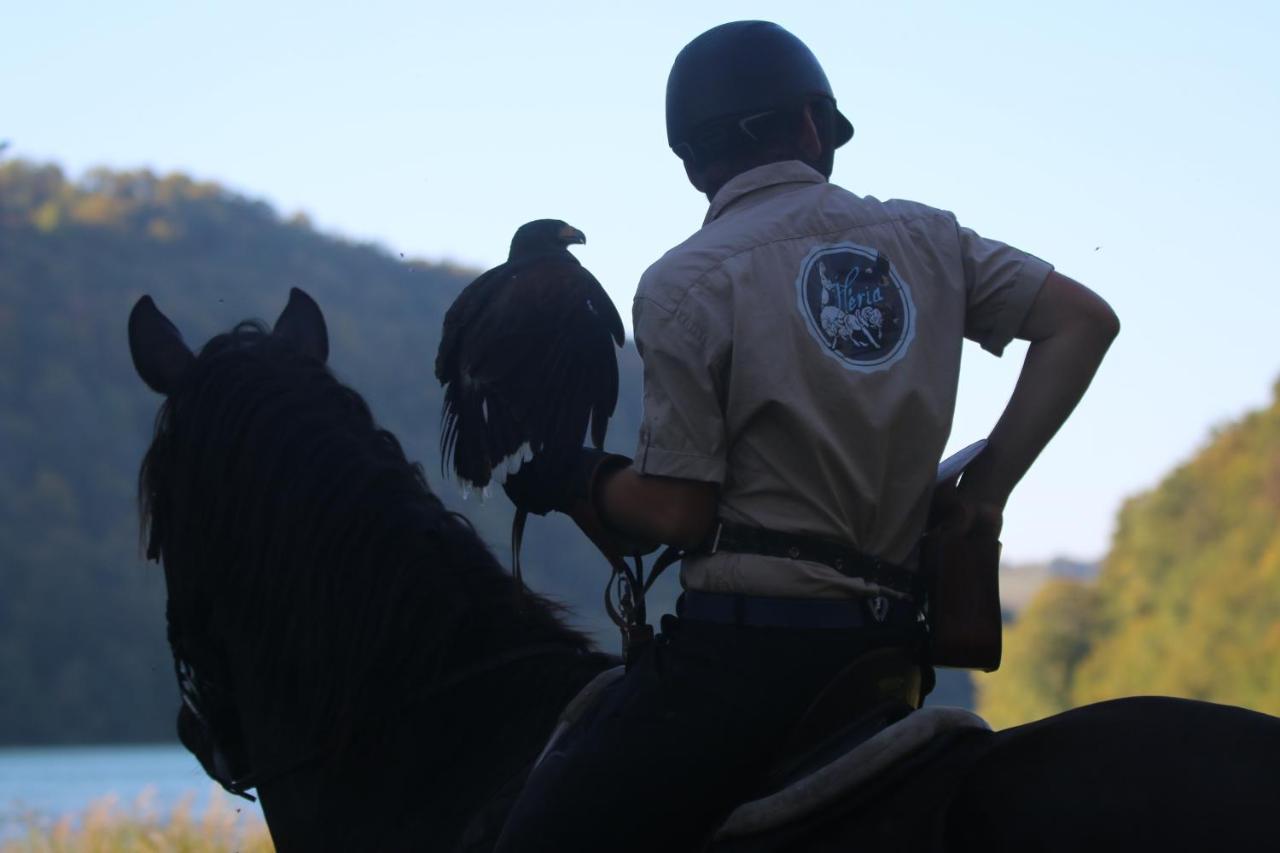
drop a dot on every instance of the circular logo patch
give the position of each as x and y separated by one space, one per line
856 306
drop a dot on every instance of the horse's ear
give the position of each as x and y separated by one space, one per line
159 354
302 324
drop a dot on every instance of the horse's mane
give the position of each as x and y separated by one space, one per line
290 524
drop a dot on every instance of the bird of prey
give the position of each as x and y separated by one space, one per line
528 359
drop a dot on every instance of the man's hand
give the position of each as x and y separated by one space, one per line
954 511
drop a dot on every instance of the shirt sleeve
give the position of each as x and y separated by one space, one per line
1000 284
682 433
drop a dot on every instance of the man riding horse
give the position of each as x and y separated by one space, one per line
794 467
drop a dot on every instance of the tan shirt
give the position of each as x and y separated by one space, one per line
802 350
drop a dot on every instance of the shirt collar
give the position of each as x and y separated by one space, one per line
761 178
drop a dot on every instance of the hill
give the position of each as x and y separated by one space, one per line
1187 602
1021 582
82 647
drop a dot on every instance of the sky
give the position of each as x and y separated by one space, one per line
1131 145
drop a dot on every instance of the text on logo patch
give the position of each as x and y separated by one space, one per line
856 306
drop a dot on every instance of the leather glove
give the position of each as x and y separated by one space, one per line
560 482
570 484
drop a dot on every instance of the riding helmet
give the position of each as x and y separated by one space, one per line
741 69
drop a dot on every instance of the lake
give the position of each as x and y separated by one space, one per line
54 781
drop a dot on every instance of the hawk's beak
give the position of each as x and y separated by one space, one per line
570 234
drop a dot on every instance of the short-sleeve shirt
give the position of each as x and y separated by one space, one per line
802 350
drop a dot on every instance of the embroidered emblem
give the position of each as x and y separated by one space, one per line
879 607
856 306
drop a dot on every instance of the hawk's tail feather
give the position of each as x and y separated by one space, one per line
505 438
448 431
462 439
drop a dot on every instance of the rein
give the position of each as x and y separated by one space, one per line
624 596
254 779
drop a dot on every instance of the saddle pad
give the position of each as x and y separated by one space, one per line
848 771
578 705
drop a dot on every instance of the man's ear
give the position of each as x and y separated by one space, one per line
816 144
160 355
810 140
302 325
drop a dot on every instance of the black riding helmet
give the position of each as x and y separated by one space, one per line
742 69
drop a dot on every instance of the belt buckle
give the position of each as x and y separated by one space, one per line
879 607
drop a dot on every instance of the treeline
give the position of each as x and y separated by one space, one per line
1187 602
82 650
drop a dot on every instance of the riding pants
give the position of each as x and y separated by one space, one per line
681 739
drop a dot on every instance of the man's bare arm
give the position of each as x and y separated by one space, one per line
1070 328
658 510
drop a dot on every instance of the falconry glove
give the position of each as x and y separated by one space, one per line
560 482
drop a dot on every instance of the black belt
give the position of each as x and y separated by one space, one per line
743 539
758 611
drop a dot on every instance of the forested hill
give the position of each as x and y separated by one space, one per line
82 651
1187 602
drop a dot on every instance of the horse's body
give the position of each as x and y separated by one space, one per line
352 650
1139 774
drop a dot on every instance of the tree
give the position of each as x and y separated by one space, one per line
1042 651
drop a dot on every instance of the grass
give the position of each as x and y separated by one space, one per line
106 827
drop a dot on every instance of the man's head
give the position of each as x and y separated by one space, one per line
748 93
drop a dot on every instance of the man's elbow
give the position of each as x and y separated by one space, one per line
686 518
1104 321
1090 315
691 532
1066 307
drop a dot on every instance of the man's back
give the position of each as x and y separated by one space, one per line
803 349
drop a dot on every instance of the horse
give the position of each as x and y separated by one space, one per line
350 649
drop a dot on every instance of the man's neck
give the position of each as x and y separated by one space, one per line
712 181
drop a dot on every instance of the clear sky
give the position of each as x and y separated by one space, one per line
1134 145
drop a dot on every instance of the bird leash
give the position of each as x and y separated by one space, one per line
624 592
624 597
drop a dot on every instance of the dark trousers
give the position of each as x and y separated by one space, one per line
681 739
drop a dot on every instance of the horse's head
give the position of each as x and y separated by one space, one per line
323 605
180 518
166 364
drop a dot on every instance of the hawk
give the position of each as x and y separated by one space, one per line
528 361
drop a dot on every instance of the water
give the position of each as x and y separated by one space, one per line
54 781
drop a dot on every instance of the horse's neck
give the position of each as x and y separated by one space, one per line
488 740
437 769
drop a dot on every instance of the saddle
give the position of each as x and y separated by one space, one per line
865 722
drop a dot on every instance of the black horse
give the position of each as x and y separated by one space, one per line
350 649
